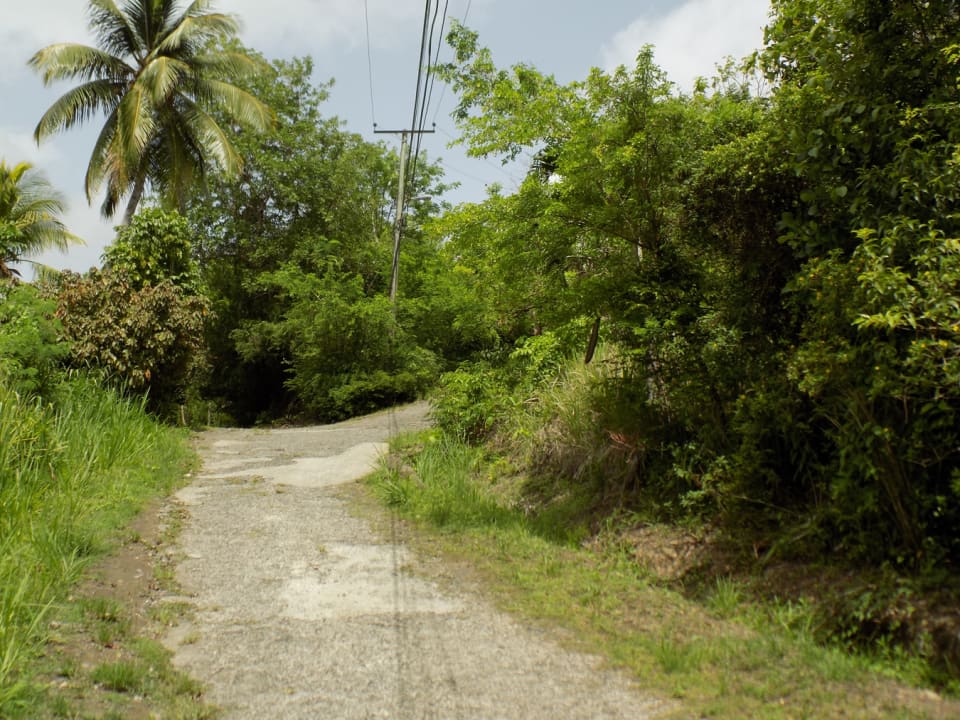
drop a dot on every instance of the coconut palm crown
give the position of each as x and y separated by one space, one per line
29 217
155 78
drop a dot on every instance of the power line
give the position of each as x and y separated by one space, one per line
431 60
424 71
436 59
482 158
366 17
443 90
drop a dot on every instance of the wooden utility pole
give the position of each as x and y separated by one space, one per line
401 204
398 221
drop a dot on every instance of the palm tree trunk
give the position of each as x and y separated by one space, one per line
135 198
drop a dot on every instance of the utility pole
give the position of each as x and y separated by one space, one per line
401 204
398 222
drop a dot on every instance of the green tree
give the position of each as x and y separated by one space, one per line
29 217
296 255
154 247
778 274
868 109
154 77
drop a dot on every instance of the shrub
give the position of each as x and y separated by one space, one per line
146 339
30 349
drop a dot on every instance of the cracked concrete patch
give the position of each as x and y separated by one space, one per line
358 580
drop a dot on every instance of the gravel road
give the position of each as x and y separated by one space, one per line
305 611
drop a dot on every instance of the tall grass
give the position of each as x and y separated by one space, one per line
727 658
73 469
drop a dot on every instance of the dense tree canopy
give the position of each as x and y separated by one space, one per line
296 254
777 273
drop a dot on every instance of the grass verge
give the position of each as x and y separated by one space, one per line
722 657
75 468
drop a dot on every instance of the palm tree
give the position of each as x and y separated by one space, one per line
155 78
29 222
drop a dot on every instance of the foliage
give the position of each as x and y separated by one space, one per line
75 466
29 216
153 77
468 402
776 276
147 339
347 353
296 255
30 347
154 247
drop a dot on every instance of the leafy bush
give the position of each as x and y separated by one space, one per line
468 402
344 352
154 247
31 350
146 339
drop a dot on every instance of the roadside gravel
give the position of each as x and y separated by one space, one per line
305 611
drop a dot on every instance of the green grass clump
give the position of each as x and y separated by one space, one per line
127 677
74 468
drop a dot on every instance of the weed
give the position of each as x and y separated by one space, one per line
106 619
677 657
726 597
121 676
169 614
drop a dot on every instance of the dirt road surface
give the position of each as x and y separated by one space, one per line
305 611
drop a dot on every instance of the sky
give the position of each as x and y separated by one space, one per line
564 38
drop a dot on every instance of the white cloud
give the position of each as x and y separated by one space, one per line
692 39
18 146
36 24
310 26
278 27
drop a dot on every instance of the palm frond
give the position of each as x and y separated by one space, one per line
161 77
111 200
176 162
198 7
38 198
193 32
238 104
30 205
43 232
45 273
70 61
139 14
102 164
135 125
167 19
79 105
113 30
211 137
235 65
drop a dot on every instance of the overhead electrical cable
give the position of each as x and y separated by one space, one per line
418 97
436 58
429 77
366 18
443 90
